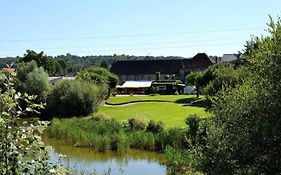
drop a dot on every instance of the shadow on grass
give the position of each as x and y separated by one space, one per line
192 101
136 101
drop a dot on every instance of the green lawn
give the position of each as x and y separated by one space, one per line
172 114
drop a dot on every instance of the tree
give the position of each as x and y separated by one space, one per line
33 80
195 78
245 133
104 64
21 148
37 84
48 63
224 77
100 77
23 69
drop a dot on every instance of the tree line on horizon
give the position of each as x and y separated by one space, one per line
64 64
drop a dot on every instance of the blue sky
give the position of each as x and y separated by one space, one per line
133 27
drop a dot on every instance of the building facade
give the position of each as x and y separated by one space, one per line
145 70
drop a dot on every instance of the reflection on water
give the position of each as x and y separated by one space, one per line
132 162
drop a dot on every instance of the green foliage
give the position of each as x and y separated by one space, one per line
37 84
154 91
245 135
192 78
73 98
196 79
101 135
32 80
23 69
104 64
155 127
176 138
104 134
21 148
48 63
196 131
87 61
138 123
178 161
226 77
193 123
100 77
142 140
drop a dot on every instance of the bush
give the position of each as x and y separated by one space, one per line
138 123
193 122
154 91
155 127
176 138
178 161
73 98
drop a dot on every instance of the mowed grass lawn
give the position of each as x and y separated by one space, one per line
172 114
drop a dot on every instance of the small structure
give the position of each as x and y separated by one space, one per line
147 87
134 87
228 58
168 87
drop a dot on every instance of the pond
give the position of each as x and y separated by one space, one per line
131 162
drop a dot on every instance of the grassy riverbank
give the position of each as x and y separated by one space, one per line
109 134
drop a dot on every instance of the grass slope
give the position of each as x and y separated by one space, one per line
172 114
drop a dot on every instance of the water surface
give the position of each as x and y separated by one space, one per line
131 162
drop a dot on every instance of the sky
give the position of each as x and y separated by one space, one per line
132 27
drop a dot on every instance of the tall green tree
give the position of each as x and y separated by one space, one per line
37 84
245 133
49 64
32 80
